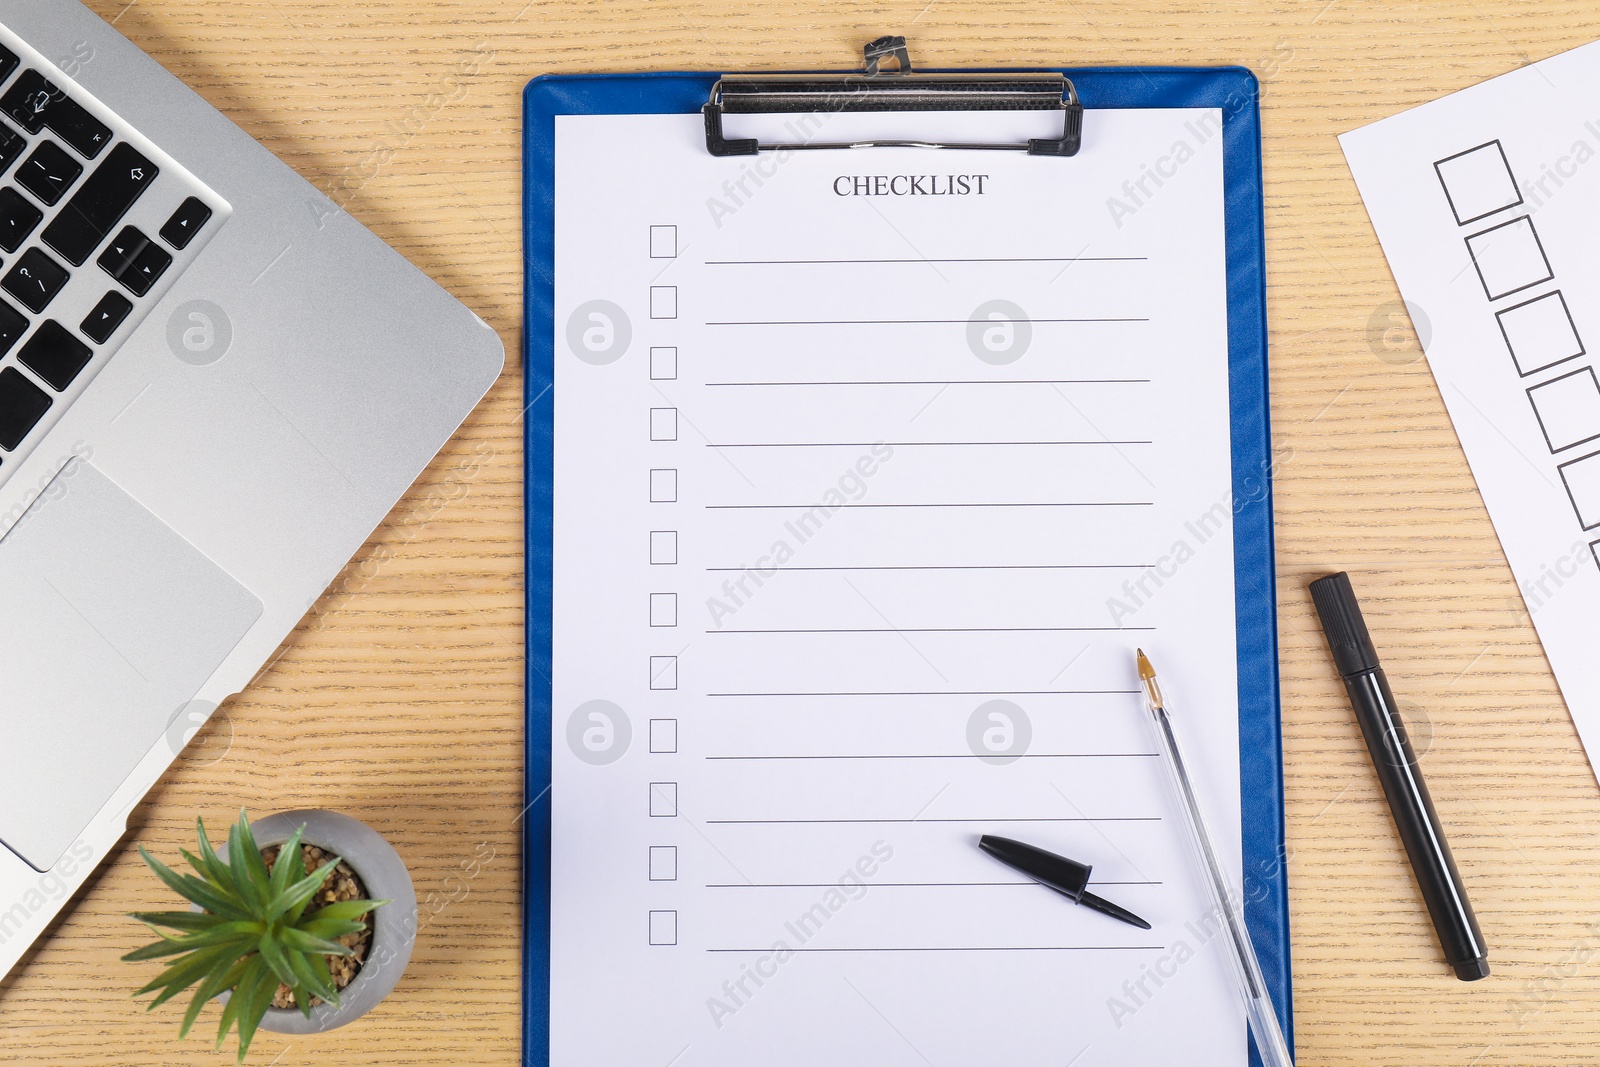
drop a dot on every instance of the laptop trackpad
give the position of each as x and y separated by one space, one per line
109 624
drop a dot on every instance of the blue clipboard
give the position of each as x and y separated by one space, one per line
1236 92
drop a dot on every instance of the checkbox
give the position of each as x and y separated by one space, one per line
663 301
663 486
1540 333
663 928
1582 479
663 672
663 547
1478 182
663 609
1568 409
664 735
663 800
663 242
663 863
664 364
1594 550
1509 258
663 424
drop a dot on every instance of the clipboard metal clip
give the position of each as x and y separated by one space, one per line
876 89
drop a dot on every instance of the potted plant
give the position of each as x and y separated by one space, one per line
282 931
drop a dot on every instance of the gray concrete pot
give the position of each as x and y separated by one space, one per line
394 926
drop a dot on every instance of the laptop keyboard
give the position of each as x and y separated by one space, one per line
85 245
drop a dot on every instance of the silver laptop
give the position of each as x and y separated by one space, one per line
214 384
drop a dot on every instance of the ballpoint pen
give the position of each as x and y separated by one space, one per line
1241 953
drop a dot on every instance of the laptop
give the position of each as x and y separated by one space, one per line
214 384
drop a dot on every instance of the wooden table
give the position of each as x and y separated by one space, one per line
399 699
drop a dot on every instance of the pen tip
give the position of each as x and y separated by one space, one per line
1146 672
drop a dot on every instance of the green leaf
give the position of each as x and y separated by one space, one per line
258 998
281 872
192 888
245 865
346 910
178 920
301 892
207 991
273 953
187 971
299 940
331 930
309 980
319 964
208 855
242 934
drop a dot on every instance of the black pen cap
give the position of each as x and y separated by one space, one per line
1342 623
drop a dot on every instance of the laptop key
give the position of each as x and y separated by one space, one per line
11 145
146 269
22 405
121 252
185 223
28 100
13 324
99 204
17 219
54 354
8 62
106 317
35 280
49 172
37 104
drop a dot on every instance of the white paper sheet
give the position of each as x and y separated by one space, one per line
1484 202
872 469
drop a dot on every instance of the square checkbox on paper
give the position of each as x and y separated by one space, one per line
663 800
663 242
663 672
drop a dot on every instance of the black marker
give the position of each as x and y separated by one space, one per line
1397 768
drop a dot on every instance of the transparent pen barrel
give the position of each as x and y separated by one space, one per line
1242 963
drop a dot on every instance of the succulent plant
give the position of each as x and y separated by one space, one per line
257 929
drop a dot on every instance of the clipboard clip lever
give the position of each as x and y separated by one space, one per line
874 88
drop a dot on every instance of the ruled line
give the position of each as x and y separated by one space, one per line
979 381
944 630
952 755
923 259
1041 504
953 693
964 948
913 444
961 567
922 821
896 885
896 322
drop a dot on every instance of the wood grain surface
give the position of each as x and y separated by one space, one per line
399 699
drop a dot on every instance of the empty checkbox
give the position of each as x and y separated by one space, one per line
663 863
1509 258
1478 182
663 424
1582 479
1594 550
663 486
664 735
664 364
1568 409
663 928
663 609
663 547
663 301
663 242
663 800
663 672
1540 333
